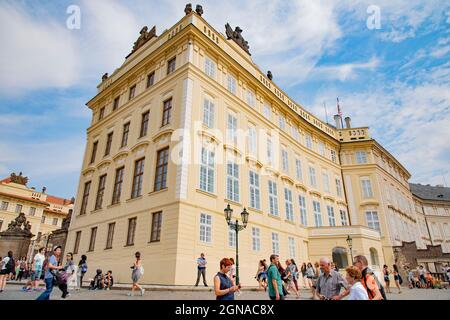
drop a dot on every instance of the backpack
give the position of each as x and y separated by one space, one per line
84 268
379 285
10 266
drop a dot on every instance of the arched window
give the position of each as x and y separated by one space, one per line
340 257
374 257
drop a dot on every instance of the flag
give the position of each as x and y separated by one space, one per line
339 108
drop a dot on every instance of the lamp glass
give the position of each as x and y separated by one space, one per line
228 213
244 215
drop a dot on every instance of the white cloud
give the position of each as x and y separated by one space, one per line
344 71
34 55
55 157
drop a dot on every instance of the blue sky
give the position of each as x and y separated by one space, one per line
394 79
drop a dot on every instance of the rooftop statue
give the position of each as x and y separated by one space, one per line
18 178
236 36
188 8
199 10
143 38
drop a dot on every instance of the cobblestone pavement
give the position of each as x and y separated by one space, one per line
14 292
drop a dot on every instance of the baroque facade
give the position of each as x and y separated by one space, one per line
44 212
189 124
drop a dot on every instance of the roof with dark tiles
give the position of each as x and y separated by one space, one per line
428 192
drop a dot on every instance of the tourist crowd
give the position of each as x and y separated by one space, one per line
279 280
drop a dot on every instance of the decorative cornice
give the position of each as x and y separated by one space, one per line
138 145
159 135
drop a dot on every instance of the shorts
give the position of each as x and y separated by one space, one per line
136 275
396 278
386 278
4 271
36 275
262 276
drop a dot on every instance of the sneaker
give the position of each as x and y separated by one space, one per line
107 289
142 291
130 294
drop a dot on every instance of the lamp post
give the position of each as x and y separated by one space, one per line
236 227
349 242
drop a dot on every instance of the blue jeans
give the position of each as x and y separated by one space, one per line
48 290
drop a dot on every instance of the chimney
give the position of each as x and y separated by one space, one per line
337 120
347 122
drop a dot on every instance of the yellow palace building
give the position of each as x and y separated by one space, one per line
189 124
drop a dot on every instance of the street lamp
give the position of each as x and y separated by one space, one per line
236 227
349 242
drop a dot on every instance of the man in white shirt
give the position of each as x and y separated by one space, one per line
38 263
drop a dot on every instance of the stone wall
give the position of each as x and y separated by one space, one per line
407 255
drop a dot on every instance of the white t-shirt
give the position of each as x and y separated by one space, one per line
5 262
358 292
38 261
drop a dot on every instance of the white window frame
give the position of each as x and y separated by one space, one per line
366 188
231 237
252 141
208 113
231 84
267 112
210 68
298 169
232 181
317 214
291 247
255 198
232 126
338 187
372 220
269 149
361 157
321 147
273 198
308 140
256 239
282 122
312 176
251 98
344 217
326 182
206 227
331 217
207 170
289 206
303 212
275 243
285 160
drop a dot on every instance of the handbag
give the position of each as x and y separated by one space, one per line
60 278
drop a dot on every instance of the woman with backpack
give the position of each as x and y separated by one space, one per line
7 267
22 264
82 269
397 278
